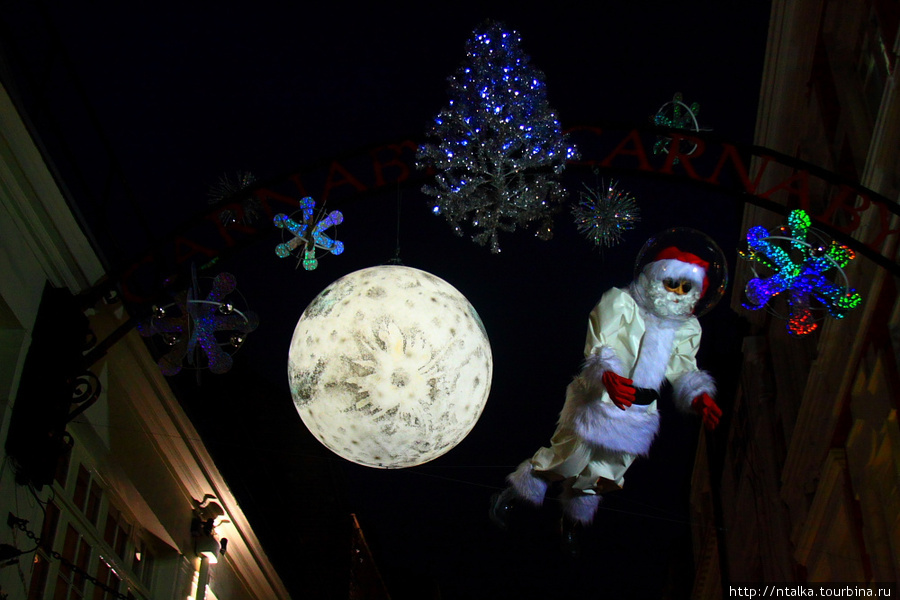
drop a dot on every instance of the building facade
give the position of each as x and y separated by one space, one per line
804 483
106 488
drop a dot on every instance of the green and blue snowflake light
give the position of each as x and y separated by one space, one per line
803 269
308 235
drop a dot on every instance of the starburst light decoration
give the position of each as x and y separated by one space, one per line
248 208
497 148
308 235
804 268
200 332
675 114
604 215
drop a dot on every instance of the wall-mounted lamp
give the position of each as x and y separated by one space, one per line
207 547
205 543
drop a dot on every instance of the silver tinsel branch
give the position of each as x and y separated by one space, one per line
604 215
498 147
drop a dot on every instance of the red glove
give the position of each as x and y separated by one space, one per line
621 390
708 410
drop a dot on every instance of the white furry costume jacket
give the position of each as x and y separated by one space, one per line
595 441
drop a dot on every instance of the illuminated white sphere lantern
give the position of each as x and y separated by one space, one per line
390 367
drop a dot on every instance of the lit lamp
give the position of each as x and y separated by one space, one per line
207 547
207 516
390 367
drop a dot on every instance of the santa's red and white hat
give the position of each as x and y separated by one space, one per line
673 263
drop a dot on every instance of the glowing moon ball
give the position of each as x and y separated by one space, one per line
390 367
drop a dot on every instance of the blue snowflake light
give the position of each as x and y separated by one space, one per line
309 235
497 148
803 270
192 327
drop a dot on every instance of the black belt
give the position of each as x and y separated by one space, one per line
644 396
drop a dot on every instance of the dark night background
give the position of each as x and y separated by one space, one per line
163 99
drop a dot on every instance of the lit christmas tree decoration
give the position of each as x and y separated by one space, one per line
309 235
498 147
604 215
803 268
191 325
675 114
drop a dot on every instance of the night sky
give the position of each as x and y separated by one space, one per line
185 94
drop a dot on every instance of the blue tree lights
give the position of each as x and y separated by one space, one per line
497 147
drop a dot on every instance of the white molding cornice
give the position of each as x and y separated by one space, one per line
33 199
179 443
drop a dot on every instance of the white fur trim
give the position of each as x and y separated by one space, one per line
527 485
675 269
656 351
601 360
604 425
581 508
689 386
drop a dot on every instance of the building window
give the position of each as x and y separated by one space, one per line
87 494
142 563
62 469
98 543
116 531
107 577
40 570
69 581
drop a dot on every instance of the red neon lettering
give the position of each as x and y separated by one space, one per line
186 249
266 195
235 225
127 293
637 150
395 161
675 154
345 178
801 178
729 151
844 201
884 217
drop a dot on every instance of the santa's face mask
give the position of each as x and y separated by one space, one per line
669 298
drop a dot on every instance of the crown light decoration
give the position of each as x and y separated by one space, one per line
675 114
497 147
803 268
308 235
192 327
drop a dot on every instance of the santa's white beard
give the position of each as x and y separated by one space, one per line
668 304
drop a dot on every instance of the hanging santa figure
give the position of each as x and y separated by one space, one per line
638 338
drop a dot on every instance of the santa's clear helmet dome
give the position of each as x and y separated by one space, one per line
699 244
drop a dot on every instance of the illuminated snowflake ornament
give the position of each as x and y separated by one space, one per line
497 148
200 332
675 114
804 269
309 234
604 215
